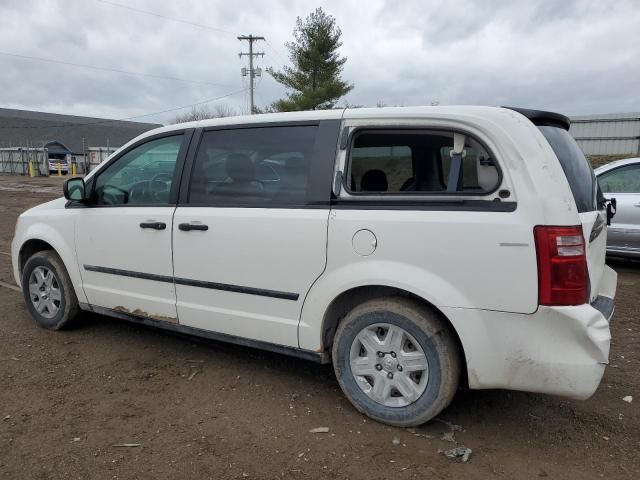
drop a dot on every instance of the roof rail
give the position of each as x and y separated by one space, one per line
542 118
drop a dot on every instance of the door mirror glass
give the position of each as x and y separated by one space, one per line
74 189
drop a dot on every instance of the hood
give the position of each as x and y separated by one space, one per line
57 204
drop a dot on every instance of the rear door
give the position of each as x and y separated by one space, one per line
584 187
623 184
250 232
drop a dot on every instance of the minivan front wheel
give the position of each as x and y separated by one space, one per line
48 292
396 361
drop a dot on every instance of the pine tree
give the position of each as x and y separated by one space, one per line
314 79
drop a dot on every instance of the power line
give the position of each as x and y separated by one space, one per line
113 70
251 72
274 50
177 20
100 122
186 22
208 100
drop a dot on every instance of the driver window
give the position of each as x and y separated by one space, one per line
142 176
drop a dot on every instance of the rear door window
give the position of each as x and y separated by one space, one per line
575 165
262 166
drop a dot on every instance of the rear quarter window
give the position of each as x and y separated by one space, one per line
575 165
412 162
395 161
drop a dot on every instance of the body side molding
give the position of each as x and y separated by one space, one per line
195 283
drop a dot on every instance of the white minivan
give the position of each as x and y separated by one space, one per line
417 249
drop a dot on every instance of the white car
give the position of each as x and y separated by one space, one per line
621 180
414 248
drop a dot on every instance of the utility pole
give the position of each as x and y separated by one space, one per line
251 72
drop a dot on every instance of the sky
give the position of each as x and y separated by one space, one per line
575 57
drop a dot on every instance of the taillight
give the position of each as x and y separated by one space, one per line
563 278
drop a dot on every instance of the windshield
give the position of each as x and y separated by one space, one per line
576 167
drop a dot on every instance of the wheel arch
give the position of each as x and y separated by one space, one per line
39 237
347 299
30 248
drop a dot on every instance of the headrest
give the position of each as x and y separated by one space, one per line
487 174
374 181
240 168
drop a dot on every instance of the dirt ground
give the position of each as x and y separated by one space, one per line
209 410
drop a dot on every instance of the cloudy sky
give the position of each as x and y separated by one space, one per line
576 57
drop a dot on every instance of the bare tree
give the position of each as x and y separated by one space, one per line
220 110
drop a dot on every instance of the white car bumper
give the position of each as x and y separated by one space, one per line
556 350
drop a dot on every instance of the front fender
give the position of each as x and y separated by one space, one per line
403 276
62 240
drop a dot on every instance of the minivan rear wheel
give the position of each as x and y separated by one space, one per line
48 292
396 361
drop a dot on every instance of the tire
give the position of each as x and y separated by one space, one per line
399 396
57 305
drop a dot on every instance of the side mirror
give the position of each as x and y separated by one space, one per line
74 189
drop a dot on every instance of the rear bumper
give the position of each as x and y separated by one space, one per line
556 350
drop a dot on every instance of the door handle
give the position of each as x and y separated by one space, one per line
154 225
185 227
636 204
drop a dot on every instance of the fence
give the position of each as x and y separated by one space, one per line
608 134
15 161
